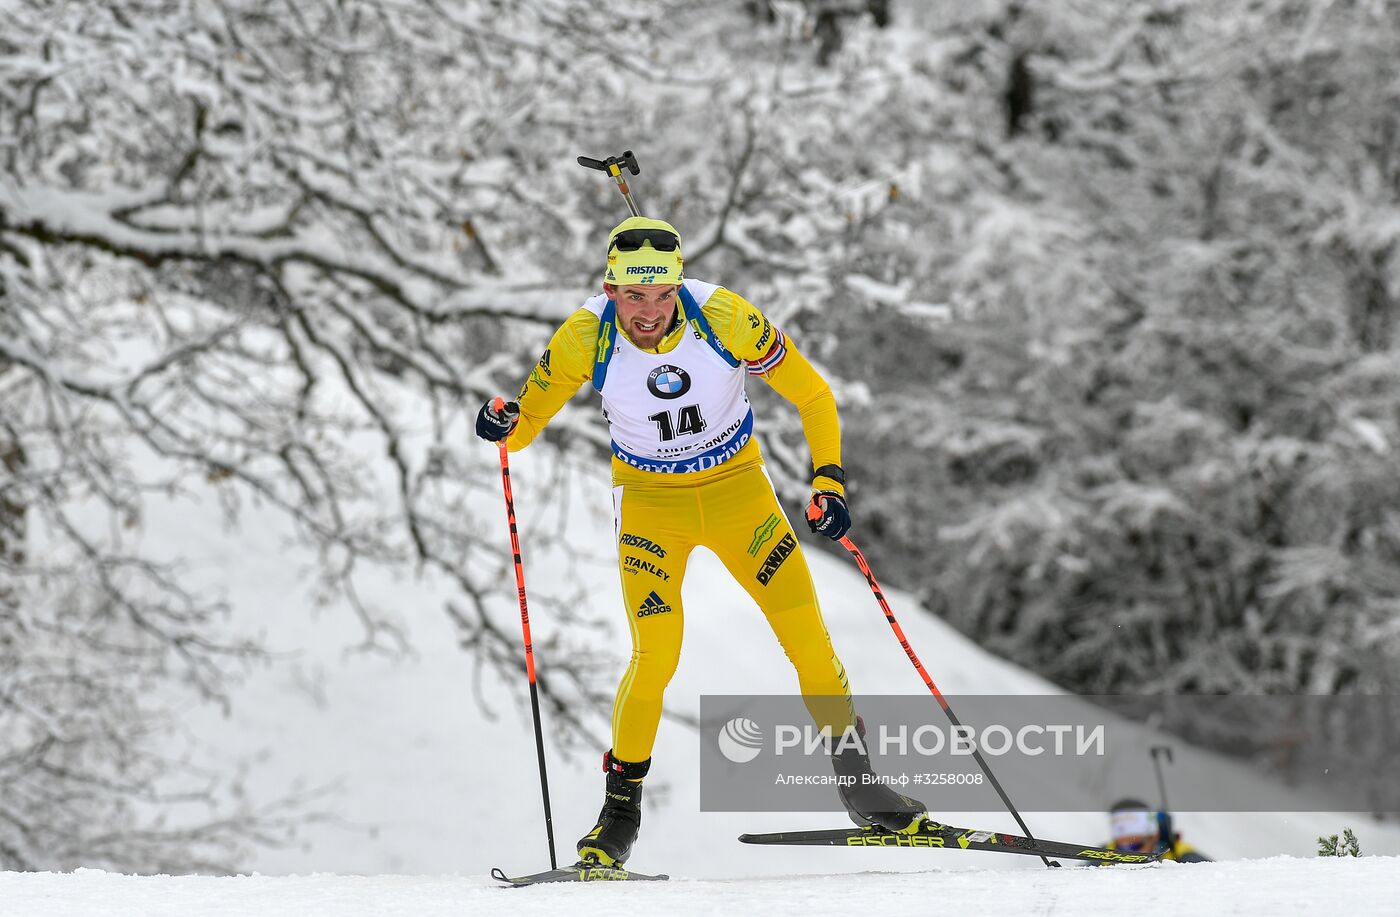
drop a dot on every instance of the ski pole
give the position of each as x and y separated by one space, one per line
613 166
499 406
850 545
1166 830
1166 752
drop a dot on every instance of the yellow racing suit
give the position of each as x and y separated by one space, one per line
722 499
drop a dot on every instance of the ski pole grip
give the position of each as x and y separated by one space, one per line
593 164
630 161
508 410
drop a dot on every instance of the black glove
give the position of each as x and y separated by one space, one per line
827 515
496 419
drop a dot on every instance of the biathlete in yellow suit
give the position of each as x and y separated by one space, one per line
670 357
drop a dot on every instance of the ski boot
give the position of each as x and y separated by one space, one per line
610 842
868 801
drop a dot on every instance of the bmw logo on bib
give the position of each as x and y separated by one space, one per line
668 382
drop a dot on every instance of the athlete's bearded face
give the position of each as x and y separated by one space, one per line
645 311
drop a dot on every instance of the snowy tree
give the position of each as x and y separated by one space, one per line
1332 846
239 247
1154 415
243 247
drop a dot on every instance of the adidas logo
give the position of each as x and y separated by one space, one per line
652 605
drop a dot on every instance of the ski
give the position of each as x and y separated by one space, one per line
937 836
579 872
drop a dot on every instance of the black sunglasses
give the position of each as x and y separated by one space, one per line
629 240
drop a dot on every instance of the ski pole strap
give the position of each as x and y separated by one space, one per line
835 472
628 770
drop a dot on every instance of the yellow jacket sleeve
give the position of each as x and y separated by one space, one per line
566 364
748 335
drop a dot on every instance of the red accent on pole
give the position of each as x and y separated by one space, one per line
519 567
499 405
850 545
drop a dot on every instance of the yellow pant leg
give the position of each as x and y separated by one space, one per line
747 529
656 527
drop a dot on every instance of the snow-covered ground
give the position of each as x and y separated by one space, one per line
431 785
1280 885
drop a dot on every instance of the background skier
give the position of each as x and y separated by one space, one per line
1138 829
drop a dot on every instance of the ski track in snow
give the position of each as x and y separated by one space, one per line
1272 887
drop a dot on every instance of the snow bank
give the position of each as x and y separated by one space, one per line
1281 885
